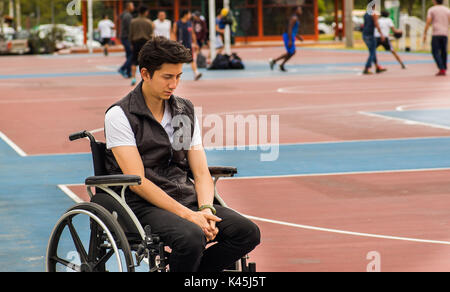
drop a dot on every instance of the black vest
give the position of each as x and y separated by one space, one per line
165 166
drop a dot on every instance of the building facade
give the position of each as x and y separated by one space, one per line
257 20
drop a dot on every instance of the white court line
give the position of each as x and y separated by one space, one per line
339 90
335 173
13 145
346 232
69 193
404 107
406 121
75 198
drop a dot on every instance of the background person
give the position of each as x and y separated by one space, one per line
125 21
162 25
386 25
370 24
141 31
289 37
439 18
106 26
184 33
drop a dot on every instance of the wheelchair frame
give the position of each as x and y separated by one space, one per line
147 247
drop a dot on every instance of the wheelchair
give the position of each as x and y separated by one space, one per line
114 237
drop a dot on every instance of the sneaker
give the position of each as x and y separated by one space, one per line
198 76
381 70
282 68
403 66
271 64
367 72
123 73
133 82
441 73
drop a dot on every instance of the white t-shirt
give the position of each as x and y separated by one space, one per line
162 28
386 24
119 133
106 28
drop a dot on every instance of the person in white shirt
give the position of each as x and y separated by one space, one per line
162 25
106 27
386 25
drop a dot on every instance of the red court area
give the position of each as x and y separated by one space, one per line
330 222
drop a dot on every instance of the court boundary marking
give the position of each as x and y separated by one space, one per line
76 199
65 189
403 120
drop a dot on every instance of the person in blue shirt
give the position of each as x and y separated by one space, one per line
289 37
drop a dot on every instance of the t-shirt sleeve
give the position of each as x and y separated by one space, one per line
430 13
118 130
391 23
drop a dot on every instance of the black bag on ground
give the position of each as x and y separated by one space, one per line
236 62
221 62
224 62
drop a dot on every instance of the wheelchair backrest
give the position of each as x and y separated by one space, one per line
98 150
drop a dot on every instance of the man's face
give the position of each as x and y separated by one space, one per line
161 16
164 81
299 11
131 7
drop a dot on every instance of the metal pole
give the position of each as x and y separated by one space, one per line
212 28
1 17
227 35
349 23
90 27
424 11
18 16
11 8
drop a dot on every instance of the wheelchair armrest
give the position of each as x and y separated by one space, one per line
113 180
222 171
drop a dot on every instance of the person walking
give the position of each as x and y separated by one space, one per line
141 31
289 37
125 20
200 29
162 25
439 18
386 25
106 26
184 33
370 24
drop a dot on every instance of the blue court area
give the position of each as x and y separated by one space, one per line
434 117
253 69
30 182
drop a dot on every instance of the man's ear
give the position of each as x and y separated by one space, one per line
145 74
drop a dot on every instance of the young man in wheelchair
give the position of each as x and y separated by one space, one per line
155 134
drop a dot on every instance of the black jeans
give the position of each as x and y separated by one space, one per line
439 46
237 237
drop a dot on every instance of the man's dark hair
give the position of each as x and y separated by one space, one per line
439 2
159 50
142 9
385 13
183 13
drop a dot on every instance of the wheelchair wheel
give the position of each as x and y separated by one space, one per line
92 226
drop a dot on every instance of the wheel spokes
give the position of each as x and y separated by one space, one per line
78 244
68 264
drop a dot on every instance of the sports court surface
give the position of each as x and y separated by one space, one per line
363 161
